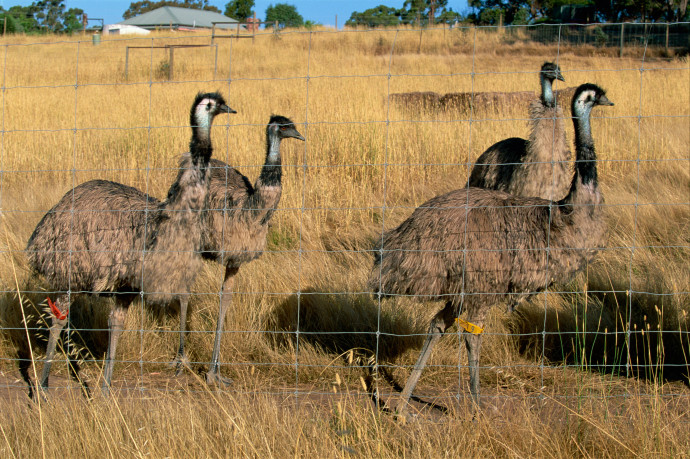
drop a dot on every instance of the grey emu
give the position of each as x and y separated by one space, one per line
473 247
235 224
107 238
538 166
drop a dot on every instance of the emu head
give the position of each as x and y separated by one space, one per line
280 127
206 106
551 72
586 97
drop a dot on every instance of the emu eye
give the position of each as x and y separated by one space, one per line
283 128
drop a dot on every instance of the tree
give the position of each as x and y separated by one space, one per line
12 25
45 16
286 15
512 11
144 6
23 16
239 9
73 19
535 11
49 15
417 12
374 17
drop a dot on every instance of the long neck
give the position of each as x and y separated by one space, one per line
189 191
272 172
546 91
585 186
267 190
200 146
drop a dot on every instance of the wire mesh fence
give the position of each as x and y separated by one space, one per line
391 118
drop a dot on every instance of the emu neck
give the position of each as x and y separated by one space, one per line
200 145
267 190
271 173
585 186
188 192
547 91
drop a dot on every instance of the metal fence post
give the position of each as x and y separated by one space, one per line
622 38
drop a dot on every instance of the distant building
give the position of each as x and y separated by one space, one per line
172 17
124 29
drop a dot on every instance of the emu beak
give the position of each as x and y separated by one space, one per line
297 135
225 109
559 76
603 100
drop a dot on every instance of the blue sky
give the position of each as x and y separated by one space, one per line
321 11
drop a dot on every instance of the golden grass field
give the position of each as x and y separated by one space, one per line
69 115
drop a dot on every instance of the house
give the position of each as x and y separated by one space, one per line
172 17
124 29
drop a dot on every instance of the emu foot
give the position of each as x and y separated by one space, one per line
38 393
180 363
214 378
86 391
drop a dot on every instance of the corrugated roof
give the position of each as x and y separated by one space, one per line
185 17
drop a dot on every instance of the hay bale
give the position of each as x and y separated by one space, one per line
463 101
422 101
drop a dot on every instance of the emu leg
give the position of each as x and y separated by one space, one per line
213 376
74 370
181 361
116 322
62 303
473 344
439 324
24 364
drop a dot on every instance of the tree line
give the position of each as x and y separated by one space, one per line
51 16
42 16
521 12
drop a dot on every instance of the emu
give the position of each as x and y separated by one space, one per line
538 166
86 337
473 248
235 224
107 238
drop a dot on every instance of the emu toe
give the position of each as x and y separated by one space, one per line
215 378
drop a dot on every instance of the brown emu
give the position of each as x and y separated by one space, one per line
235 225
103 237
474 248
538 166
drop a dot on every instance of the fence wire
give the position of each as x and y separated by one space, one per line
410 101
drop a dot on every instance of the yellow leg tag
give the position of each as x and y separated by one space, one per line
469 327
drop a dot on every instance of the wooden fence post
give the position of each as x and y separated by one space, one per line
126 63
171 63
667 26
215 63
622 38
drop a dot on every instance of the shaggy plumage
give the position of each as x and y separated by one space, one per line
538 166
473 247
105 237
235 224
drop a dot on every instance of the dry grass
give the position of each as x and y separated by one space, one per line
78 118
